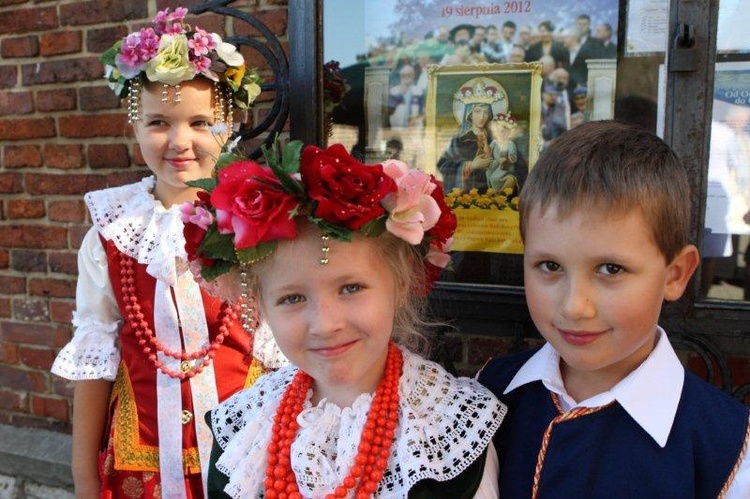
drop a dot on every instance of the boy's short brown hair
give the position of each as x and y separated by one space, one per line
611 166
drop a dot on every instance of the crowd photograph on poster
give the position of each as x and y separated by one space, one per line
447 87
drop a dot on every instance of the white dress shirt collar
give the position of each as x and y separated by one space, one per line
650 394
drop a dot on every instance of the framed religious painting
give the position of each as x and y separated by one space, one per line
483 132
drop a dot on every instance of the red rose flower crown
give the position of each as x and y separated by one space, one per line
245 208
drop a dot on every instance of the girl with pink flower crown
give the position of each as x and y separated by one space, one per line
340 256
152 352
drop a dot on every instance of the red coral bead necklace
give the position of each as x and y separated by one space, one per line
374 446
147 339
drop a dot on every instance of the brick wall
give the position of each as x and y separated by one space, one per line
63 133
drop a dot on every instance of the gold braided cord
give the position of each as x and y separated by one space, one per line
736 467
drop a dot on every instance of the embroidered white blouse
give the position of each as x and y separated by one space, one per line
445 424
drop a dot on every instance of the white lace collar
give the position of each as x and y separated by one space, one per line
445 423
140 226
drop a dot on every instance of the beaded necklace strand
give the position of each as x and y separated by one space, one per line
374 446
151 345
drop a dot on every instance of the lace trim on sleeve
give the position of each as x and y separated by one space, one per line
93 352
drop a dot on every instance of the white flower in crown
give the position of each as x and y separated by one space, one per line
171 64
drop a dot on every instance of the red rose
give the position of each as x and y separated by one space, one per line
447 223
193 239
250 203
347 191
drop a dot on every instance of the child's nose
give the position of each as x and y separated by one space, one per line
179 138
578 303
325 318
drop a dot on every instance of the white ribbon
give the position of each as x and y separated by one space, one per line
169 396
203 385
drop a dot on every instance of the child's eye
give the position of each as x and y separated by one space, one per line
548 266
351 288
292 299
202 124
157 123
611 269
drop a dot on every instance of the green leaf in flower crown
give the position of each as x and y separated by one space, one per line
253 255
217 246
218 268
108 57
374 227
207 184
280 166
335 231
226 159
291 155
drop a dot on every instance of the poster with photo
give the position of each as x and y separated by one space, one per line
483 141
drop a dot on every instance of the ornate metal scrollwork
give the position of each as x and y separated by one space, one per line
272 51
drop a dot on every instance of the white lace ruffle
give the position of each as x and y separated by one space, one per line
265 348
445 424
92 353
140 226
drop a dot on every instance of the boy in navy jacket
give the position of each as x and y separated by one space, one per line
605 408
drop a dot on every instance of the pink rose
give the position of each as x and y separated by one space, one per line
347 192
411 209
251 204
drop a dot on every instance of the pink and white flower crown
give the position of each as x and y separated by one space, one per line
246 208
171 51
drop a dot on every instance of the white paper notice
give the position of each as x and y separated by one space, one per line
647 25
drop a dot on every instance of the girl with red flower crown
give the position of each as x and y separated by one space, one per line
340 275
151 351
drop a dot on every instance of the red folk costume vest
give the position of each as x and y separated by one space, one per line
133 419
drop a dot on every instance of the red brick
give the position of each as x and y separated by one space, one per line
22 46
61 311
29 128
31 310
33 236
63 156
14 103
25 421
57 288
25 208
11 183
8 76
8 353
60 42
102 11
275 20
62 71
4 259
25 20
98 98
49 407
66 211
5 310
108 156
76 235
127 177
56 100
10 400
4 3
71 184
22 156
38 358
99 40
23 379
101 125
63 262
29 260
12 285
62 387
30 334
